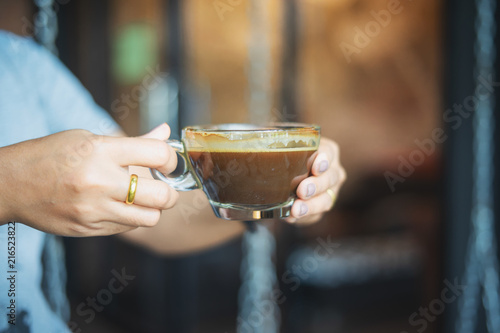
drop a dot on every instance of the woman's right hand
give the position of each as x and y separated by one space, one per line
75 183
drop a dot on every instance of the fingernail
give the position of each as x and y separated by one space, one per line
311 189
323 166
303 210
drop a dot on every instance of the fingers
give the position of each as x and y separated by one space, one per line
149 193
305 220
318 205
326 172
151 153
321 163
317 193
328 155
155 194
103 228
321 201
133 215
151 198
314 185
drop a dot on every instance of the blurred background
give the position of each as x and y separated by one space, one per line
379 77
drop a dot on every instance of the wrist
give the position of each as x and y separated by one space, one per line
6 213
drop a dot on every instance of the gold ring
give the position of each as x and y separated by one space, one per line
131 189
332 195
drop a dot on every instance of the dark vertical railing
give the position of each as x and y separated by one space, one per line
459 83
175 54
289 62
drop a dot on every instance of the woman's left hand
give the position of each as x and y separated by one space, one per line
317 194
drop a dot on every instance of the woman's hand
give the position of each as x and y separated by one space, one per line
316 194
75 183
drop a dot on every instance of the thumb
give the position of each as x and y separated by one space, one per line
161 132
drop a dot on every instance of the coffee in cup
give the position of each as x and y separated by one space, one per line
248 172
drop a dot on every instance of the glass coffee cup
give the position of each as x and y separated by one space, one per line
247 172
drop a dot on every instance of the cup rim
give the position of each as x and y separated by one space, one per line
252 128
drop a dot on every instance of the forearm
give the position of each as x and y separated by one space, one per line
20 168
5 209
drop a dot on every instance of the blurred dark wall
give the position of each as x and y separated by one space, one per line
17 16
358 103
84 45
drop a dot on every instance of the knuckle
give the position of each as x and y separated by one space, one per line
152 219
162 153
327 203
338 177
172 160
83 181
334 178
343 175
82 213
162 198
144 219
70 181
99 145
79 230
85 145
174 197
83 132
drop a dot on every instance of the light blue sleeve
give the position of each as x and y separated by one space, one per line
63 99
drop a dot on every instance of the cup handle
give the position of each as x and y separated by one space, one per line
181 179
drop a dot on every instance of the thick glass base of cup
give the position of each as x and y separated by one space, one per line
252 212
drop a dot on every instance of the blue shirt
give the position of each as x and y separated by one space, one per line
38 97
